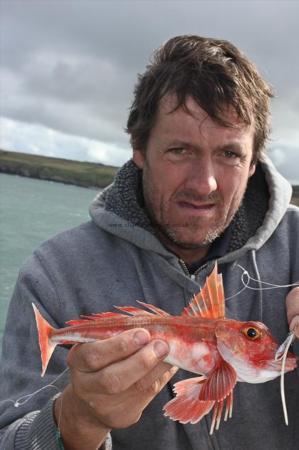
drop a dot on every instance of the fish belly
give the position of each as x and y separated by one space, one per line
197 357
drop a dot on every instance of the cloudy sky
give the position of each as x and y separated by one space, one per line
68 68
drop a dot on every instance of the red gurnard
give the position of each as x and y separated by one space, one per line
201 340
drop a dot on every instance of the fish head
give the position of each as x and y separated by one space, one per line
250 348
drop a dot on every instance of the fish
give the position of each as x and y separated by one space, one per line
201 340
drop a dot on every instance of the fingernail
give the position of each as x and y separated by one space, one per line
161 348
173 370
141 337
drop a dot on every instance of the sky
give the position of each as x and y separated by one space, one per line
68 69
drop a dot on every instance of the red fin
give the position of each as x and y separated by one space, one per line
196 397
154 309
209 302
46 346
133 311
186 407
218 409
220 383
95 316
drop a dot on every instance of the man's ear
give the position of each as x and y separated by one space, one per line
138 158
252 169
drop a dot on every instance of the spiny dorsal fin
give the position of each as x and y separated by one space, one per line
133 311
124 310
154 309
95 316
209 302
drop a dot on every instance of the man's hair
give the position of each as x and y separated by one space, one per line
214 73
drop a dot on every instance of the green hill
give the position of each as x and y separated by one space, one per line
57 169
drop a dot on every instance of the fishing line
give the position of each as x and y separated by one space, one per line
270 285
25 398
284 348
245 285
246 278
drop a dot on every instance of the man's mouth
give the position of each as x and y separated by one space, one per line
200 207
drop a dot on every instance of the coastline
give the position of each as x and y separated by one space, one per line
78 173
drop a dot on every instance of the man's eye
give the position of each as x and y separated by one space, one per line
232 158
177 151
230 154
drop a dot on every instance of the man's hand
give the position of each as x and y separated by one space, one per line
292 305
112 381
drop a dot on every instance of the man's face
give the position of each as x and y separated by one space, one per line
195 173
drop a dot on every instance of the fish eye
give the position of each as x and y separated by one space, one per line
251 333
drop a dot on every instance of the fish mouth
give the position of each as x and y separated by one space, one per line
287 360
284 346
291 363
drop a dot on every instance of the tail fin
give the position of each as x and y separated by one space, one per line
46 346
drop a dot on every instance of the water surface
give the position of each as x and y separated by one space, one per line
32 211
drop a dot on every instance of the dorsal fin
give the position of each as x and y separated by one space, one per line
91 317
154 309
124 310
209 302
133 311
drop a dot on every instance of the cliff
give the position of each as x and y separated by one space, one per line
57 169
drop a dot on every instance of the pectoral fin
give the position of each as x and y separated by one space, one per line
186 407
196 397
220 383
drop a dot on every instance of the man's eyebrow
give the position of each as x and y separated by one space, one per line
182 143
230 145
178 143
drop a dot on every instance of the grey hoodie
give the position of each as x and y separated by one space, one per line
115 259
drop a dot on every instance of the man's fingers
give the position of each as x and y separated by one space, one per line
294 325
116 378
292 303
95 356
156 379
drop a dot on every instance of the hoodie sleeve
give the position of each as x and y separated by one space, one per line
37 430
30 425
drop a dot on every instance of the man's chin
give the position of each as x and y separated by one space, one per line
191 242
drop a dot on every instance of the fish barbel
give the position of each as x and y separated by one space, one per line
201 340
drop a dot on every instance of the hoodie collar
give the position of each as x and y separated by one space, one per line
120 210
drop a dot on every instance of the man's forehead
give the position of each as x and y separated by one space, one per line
169 105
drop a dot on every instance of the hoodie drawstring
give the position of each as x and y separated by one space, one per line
258 278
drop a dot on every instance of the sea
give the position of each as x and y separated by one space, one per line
31 211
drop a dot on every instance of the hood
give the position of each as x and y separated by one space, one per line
119 209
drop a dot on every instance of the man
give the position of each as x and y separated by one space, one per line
199 189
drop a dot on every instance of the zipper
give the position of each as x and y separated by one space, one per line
193 276
185 268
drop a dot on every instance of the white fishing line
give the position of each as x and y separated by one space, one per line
288 342
245 285
25 398
246 278
269 285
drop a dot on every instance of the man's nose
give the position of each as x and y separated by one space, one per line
202 177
